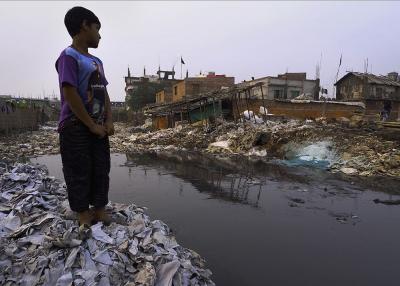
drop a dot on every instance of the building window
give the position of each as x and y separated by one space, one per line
294 93
379 91
175 90
277 93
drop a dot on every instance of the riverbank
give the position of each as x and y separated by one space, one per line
348 150
353 151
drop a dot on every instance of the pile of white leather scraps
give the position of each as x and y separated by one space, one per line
41 244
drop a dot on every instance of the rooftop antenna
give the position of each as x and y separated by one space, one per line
317 71
366 65
320 66
337 74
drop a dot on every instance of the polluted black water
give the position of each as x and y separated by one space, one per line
266 223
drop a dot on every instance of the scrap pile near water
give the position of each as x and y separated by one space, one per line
242 137
41 244
36 143
357 151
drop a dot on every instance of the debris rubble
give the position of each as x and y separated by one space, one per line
365 151
42 245
348 150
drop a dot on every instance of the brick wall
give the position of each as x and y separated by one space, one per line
160 96
178 91
374 107
18 120
194 86
301 110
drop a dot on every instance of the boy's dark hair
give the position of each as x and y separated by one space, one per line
74 19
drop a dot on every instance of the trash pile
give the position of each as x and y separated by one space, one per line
241 138
251 116
41 244
351 151
345 149
29 144
182 137
368 155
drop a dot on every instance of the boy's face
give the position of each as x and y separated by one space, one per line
92 34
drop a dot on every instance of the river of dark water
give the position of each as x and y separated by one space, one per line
266 224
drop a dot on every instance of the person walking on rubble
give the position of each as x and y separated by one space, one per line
85 119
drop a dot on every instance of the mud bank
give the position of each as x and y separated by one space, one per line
353 151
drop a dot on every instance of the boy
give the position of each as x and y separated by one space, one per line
85 119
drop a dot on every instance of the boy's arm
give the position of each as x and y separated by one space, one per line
109 120
75 103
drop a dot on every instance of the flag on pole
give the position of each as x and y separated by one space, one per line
340 62
182 62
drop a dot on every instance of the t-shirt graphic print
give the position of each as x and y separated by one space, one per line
86 74
96 94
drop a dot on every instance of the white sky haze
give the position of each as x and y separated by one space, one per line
240 39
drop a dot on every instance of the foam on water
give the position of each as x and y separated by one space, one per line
318 154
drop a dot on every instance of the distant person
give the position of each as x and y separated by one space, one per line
387 108
85 119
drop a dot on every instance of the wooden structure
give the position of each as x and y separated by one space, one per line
202 107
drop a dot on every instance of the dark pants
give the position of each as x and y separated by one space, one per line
86 165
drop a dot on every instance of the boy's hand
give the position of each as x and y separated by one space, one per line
109 128
98 130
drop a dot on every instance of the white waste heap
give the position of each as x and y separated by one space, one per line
40 243
313 152
250 116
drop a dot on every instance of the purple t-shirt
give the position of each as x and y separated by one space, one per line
86 74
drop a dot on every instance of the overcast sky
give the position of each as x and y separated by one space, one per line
240 39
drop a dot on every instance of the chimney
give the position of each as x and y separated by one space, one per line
393 76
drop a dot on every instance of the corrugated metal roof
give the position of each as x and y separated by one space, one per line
373 79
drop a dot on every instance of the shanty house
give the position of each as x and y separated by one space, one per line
374 90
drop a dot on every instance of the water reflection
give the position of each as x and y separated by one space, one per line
240 216
214 179
230 180
239 180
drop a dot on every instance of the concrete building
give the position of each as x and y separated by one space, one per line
164 96
193 86
375 91
285 86
142 90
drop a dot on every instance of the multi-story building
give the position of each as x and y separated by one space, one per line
193 86
142 90
285 86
